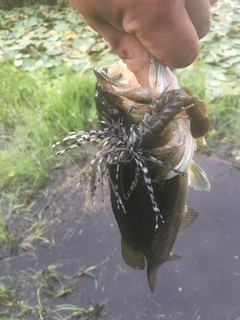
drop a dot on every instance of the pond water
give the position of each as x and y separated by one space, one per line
204 284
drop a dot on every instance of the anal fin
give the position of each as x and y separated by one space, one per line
132 257
189 217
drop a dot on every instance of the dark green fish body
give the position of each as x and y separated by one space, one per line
140 239
147 141
165 131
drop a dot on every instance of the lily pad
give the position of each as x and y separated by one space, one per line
61 26
18 63
28 64
54 51
78 42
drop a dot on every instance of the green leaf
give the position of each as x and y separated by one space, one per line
77 43
54 51
29 64
61 26
18 63
48 64
31 21
76 67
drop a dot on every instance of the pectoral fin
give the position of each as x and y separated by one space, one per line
197 177
132 257
189 217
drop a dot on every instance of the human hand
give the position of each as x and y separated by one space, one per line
168 29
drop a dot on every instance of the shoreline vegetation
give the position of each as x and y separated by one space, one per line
47 88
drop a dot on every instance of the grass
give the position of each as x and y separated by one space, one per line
35 109
92 312
21 225
50 281
8 292
8 238
50 287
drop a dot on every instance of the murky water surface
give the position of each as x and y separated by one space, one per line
204 284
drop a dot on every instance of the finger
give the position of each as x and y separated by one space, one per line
132 52
212 2
128 47
166 32
199 13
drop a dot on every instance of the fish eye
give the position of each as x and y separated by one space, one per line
117 114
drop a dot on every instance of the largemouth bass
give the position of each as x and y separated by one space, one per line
146 147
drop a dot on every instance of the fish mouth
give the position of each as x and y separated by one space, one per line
118 79
118 89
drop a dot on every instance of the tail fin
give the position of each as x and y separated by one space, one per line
151 273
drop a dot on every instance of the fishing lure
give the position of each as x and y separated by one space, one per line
119 146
